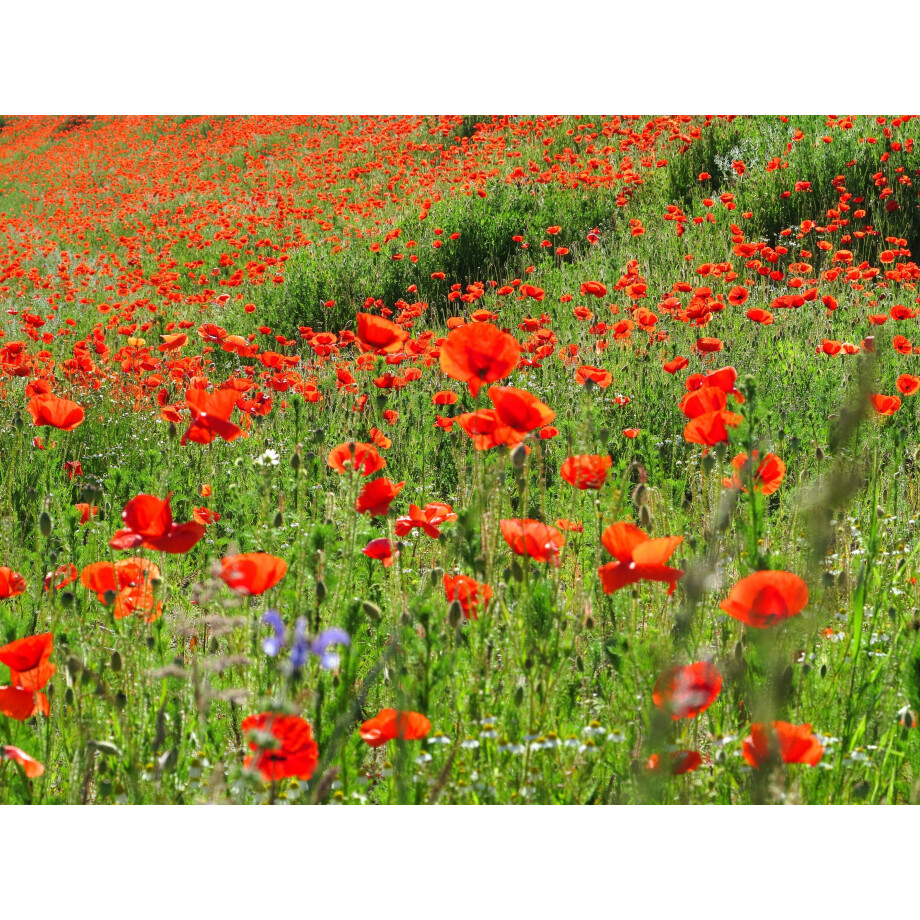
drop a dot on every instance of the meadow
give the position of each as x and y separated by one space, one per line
459 460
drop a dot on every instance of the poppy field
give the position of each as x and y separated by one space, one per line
459 460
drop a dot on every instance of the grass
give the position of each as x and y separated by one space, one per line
547 697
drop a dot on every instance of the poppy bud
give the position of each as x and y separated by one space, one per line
295 460
67 598
827 580
68 696
518 695
645 517
639 494
455 613
518 457
109 598
17 421
819 454
44 524
172 431
279 520
381 401
709 463
320 590
115 663
517 573
436 575
589 385
371 610
320 435
121 699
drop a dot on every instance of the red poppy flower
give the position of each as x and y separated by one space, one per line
594 288
527 537
573 526
205 516
21 704
284 746
130 582
380 334
376 496
149 523
586 372
54 412
487 430
444 398
252 573
382 550
356 455
63 575
31 767
639 558
586 471
211 416
685 692
632 432
390 725
519 409
29 661
675 365
885 405
737 296
87 511
792 744
678 762
479 353
765 598
768 476
908 384
11 583
758 315
435 513
472 595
